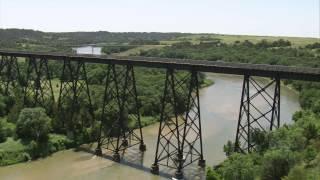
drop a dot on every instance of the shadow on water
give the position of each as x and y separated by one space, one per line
134 158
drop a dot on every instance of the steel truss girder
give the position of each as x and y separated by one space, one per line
38 88
253 118
9 75
120 106
179 141
73 86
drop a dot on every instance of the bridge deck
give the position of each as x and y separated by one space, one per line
284 72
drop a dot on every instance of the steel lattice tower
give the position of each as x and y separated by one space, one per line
253 118
73 86
120 107
9 75
38 88
179 139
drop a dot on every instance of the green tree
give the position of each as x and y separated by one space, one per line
3 106
316 106
6 129
277 163
297 173
239 167
212 175
261 140
34 124
96 75
228 148
3 133
309 154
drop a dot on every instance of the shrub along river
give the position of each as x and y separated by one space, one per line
219 112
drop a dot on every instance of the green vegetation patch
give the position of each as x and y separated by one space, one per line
117 49
290 152
207 83
13 151
230 39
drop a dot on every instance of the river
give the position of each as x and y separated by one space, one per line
219 112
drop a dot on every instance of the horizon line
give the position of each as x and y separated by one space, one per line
167 32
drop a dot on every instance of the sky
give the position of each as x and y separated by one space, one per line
249 17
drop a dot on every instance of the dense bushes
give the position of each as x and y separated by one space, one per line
245 52
14 151
116 49
292 150
238 167
3 133
277 163
55 143
34 124
6 129
290 153
29 138
313 46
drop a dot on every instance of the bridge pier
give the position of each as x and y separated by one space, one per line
73 86
179 141
38 85
120 107
9 75
253 118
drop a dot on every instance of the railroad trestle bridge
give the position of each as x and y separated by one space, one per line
179 142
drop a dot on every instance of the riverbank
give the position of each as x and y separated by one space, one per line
14 151
206 83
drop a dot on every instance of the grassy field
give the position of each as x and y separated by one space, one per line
196 39
296 41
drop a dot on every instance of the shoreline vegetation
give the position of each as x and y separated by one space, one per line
293 149
206 83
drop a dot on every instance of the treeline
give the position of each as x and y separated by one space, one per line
291 152
313 46
266 44
20 39
116 48
244 52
